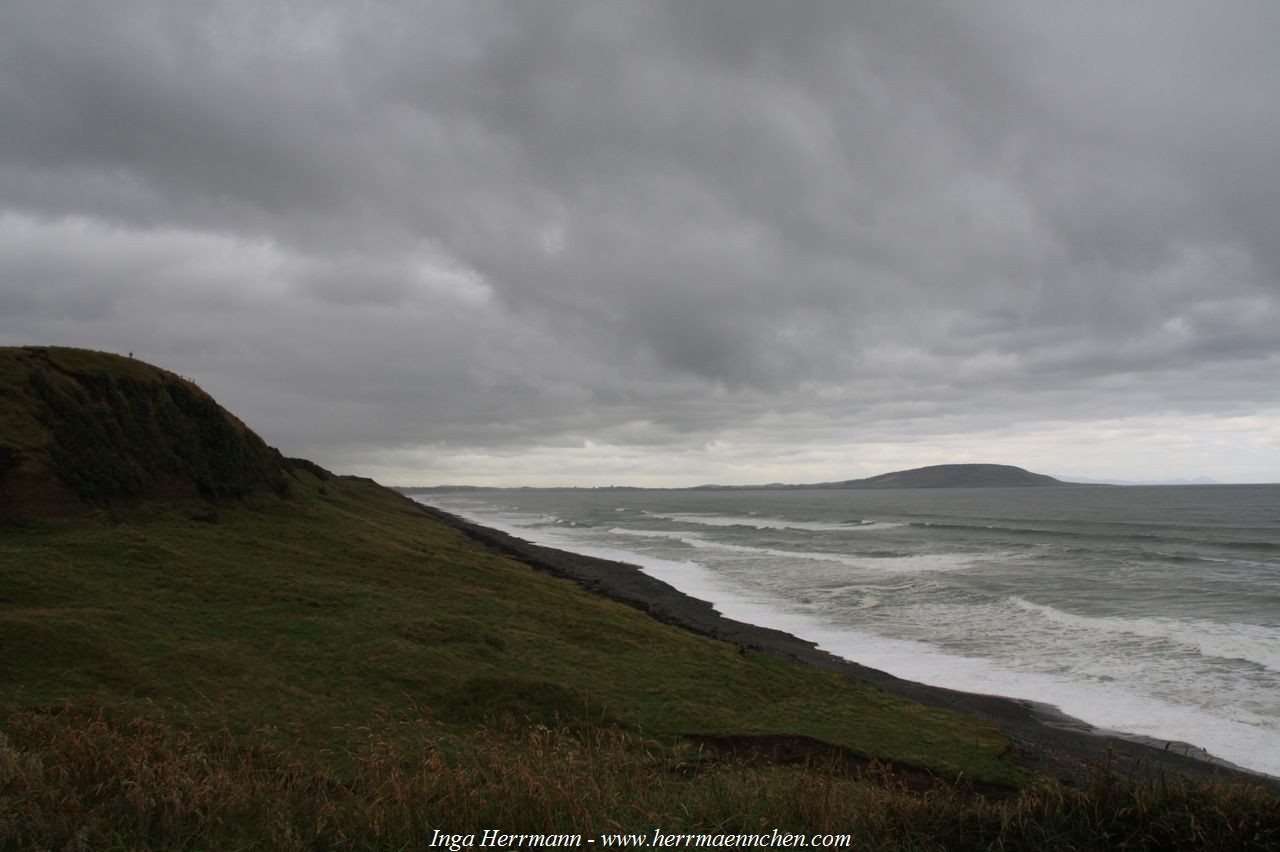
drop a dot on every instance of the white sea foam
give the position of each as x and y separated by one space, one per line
905 564
766 523
504 517
1230 733
696 541
1241 737
1250 642
673 535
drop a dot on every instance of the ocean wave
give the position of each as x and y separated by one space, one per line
767 523
1251 643
1036 532
673 535
905 563
697 541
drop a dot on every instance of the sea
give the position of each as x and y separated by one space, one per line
1152 611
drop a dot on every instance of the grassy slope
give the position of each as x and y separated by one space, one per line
320 611
328 668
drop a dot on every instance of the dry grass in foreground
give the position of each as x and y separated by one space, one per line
77 778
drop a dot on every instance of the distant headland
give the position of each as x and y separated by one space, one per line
933 476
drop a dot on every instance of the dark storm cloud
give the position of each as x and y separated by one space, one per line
473 224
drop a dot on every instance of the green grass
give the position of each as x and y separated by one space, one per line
345 601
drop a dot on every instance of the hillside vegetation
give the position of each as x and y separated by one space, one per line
85 429
264 655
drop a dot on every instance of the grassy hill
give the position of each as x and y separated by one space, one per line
207 645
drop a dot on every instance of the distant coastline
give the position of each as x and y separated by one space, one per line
932 476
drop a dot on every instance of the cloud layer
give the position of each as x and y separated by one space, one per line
665 242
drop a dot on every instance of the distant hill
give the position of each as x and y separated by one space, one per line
933 476
81 430
951 476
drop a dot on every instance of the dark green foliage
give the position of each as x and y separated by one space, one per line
89 450
118 437
10 457
293 465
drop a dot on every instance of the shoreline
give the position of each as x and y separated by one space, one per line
1046 740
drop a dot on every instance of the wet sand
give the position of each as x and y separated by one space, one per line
1045 740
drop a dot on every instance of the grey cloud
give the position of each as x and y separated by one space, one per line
473 223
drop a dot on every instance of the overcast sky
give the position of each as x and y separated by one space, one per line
666 243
